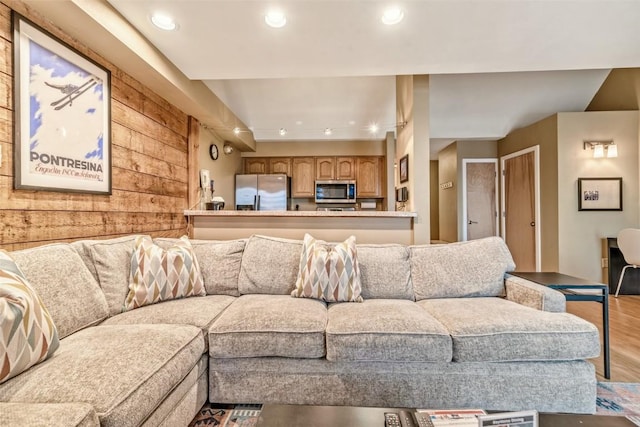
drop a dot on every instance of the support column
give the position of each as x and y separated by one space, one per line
412 114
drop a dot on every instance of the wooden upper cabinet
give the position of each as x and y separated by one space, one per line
256 165
280 165
345 168
303 177
325 168
369 176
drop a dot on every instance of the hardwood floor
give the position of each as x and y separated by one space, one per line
624 333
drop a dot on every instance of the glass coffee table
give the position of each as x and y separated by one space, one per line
351 416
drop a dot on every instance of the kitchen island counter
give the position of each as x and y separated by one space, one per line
367 226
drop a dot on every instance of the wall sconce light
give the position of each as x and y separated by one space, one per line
599 147
227 148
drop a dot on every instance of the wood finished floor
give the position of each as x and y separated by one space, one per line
624 333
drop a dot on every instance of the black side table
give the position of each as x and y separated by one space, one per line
567 284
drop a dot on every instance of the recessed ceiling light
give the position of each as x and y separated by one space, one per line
275 19
283 131
236 131
328 131
163 21
392 15
373 128
352 122
299 122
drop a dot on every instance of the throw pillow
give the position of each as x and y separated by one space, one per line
27 333
159 274
329 273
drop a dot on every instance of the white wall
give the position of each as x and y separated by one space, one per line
580 233
223 170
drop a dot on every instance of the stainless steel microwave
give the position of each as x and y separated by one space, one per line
335 191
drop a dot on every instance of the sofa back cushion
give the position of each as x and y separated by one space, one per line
465 269
111 261
385 271
269 265
65 285
219 263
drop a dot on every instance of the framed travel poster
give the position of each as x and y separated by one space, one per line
599 194
62 128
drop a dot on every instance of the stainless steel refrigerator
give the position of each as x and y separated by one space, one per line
262 192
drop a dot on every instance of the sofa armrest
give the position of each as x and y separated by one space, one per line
48 414
533 295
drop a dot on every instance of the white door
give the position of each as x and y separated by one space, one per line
480 203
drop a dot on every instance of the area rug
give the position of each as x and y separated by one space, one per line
621 399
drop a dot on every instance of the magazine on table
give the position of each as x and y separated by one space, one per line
452 417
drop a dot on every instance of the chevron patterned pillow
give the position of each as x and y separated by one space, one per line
159 275
27 333
329 273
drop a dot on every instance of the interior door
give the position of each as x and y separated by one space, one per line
520 209
481 198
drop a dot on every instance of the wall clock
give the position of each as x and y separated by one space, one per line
213 151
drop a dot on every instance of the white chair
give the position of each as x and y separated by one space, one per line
629 244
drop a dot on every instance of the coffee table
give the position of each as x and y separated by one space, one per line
351 416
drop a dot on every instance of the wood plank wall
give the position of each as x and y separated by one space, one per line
149 173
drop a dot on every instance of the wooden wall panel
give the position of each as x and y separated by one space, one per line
149 164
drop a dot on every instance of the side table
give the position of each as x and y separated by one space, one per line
568 285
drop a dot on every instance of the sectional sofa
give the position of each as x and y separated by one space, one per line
439 326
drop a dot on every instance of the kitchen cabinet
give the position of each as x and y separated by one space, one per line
345 168
280 165
325 168
303 176
369 177
335 168
259 165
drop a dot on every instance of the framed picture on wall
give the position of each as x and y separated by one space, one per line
404 168
599 194
62 103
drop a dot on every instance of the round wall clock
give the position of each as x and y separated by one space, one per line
213 151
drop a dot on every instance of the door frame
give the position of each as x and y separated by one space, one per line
536 183
465 213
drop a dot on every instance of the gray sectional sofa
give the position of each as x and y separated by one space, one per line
440 326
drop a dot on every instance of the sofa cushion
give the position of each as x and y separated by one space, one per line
269 265
219 262
199 312
270 325
497 330
64 284
48 415
465 269
159 274
329 273
385 330
123 371
111 260
385 271
27 333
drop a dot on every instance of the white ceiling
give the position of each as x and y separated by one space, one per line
495 65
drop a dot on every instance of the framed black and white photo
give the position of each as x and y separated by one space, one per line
404 168
599 194
62 128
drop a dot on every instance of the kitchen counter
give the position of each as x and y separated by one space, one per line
367 226
359 214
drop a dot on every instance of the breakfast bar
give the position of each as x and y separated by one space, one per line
367 226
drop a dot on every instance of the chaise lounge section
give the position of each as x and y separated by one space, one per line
440 326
